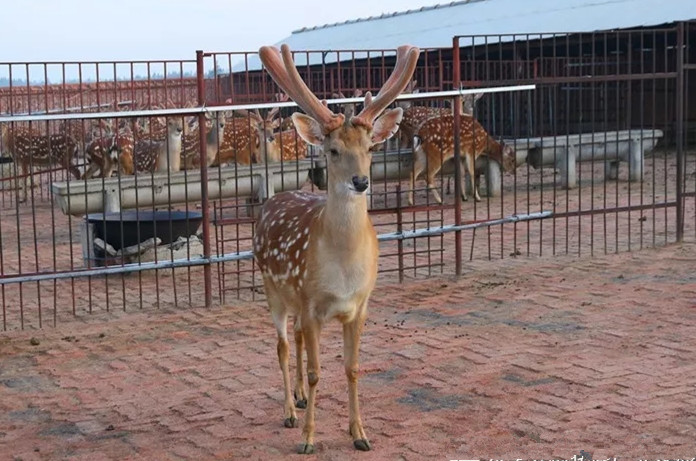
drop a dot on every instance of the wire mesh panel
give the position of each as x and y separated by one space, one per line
86 189
596 141
134 185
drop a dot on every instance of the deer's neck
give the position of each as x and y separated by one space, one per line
345 220
495 149
212 140
212 137
170 155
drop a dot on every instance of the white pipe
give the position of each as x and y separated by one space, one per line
234 107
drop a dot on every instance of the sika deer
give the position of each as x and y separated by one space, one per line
108 152
283 146
190 150
104 154
415 116
267 151
240 142
434 145
151 156
288 146
318 254
30 149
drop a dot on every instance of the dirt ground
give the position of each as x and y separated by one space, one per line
544 357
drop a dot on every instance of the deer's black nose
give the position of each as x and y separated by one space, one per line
361 183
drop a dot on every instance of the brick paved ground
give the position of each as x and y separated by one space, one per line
38 237
530 358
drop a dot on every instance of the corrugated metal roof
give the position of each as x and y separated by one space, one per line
434 26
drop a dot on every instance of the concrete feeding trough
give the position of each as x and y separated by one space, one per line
610 147
113 195
160 189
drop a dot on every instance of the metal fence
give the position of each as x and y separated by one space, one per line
601 135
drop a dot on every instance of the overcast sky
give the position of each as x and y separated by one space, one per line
59 30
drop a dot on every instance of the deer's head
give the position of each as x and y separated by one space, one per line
469 103
265 129
175 126
346 142
509 158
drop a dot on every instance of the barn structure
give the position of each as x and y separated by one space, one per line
612 66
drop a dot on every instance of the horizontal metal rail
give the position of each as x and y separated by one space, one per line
404 235
235 107
246 255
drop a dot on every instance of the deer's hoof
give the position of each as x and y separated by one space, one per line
306 449
362 445
301 403
290 422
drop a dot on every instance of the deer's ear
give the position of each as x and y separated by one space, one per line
386 126
308 128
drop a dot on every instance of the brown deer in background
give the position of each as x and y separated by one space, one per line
267 152
30 149
415 116
158 156
109 151
240 142
190 145
318 253
434 145
287 146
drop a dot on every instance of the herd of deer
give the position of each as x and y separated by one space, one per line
243 137
142 146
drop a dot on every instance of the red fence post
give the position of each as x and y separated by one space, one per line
680 131
205 206
456 83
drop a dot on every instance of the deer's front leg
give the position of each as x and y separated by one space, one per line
351 351
462 178
280 320
471 169
310 331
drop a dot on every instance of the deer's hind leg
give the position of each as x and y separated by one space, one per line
300 394
418 167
